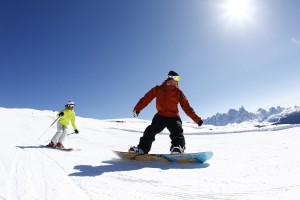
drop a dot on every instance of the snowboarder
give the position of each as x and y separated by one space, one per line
66 116
167 95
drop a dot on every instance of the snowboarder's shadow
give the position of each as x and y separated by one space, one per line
118 165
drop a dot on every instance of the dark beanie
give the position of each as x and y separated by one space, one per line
172 73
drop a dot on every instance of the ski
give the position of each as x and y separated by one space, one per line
61 149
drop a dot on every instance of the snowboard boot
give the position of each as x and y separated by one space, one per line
51 144
135 150
60 145
177 150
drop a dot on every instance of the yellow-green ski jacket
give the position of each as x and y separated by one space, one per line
69 115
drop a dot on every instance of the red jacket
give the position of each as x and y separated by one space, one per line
167 99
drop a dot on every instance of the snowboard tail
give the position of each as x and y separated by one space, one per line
200 157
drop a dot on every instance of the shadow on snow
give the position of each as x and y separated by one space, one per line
118 165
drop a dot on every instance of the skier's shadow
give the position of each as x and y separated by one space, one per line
31 147
118 165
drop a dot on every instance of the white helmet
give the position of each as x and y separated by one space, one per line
70 104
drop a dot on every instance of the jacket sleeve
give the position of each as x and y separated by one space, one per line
189 111
73 121
59 112
144 101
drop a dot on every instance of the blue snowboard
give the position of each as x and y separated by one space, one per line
200 157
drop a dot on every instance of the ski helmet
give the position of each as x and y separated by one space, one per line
70 104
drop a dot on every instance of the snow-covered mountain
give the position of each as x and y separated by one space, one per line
287 116
278 115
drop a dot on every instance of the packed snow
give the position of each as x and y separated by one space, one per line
251 161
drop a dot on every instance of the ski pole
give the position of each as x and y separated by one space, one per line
48 128
72 133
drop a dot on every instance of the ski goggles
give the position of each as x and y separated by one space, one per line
71 105
176 78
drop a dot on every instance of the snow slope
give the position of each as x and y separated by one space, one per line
253 163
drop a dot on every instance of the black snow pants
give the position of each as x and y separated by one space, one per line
173 124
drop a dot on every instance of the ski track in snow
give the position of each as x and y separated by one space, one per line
250 164
27 178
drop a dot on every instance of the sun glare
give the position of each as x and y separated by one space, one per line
238 11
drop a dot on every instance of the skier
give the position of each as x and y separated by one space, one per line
66 116
167 95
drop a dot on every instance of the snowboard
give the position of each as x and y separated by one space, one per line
61 149
200 157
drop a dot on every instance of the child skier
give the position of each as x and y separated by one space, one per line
66 116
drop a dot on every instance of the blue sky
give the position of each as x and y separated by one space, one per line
106 54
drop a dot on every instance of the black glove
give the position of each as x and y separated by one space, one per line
61 114
76 131
200 122
136 113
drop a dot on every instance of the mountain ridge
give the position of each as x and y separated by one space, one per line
275 115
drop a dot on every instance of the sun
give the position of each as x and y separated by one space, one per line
238 11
